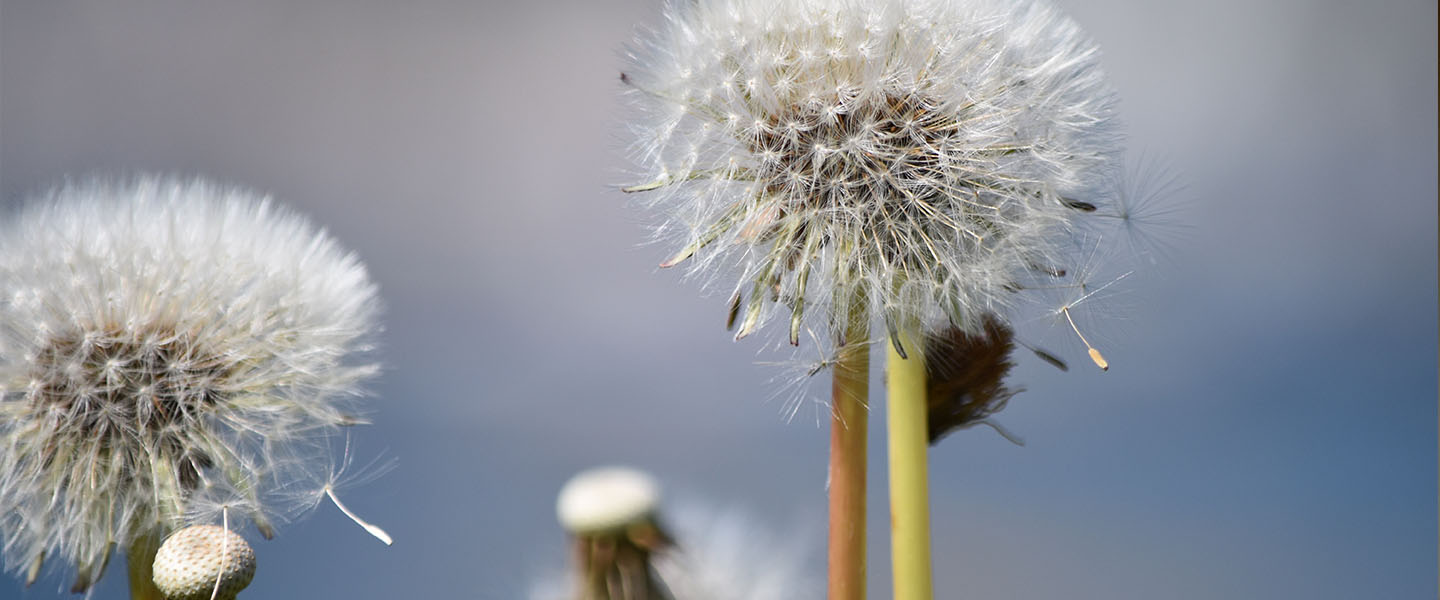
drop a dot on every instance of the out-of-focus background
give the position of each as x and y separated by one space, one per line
1267 429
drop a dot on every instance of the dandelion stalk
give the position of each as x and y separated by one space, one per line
909 478
849 427
140 556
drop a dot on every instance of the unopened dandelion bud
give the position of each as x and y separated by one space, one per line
201 562
610 513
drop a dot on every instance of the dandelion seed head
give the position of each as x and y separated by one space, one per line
924 154
165 343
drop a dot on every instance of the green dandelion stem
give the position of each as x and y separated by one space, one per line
140 557
849 428
909 477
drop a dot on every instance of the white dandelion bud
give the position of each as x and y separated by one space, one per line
927 156
606 499
622 553
164 344
203 562
610 514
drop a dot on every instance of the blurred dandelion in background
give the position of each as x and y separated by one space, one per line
622 551
169 349
726 554
610 513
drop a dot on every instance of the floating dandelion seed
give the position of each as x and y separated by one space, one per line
164 344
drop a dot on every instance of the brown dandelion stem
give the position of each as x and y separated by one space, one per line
909 441
849 427
140 558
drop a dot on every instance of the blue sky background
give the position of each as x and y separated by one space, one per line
1267 430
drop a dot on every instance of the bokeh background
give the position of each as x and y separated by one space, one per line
1268 428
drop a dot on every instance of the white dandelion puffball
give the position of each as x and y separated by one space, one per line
718 555
928 157
203 560
730 555
606 499
166 343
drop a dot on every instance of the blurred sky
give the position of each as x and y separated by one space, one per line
1267 430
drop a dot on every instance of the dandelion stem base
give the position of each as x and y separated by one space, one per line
140 558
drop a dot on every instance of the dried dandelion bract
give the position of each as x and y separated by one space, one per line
163 341
927 155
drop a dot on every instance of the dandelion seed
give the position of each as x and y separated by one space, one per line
1094 354
166 346
336 476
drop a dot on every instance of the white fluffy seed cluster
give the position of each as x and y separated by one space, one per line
927 156
165 346
195 560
